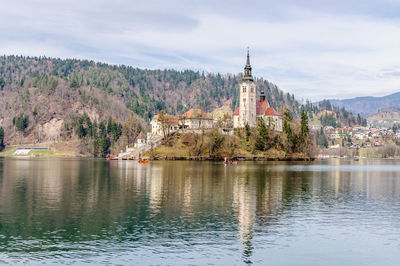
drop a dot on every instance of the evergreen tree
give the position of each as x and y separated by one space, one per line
1 139
81 131
248 131
102 130
303 137
321 139
262 135
21 122
104 141
287 129
2 83
324 140
110 125
104 146
305 130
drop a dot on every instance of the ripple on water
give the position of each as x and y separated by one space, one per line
75 212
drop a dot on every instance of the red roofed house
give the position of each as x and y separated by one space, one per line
195 119
250 110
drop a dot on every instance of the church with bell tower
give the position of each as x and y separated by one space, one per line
250 109
247 109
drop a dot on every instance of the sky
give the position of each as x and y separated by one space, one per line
315 49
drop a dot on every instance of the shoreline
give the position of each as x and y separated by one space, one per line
174 158
235 158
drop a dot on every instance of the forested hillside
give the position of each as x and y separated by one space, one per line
46 99
145 92
331 115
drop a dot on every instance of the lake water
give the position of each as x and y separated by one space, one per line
77 211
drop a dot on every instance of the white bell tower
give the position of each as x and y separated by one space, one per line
247 111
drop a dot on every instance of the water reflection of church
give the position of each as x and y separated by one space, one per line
249 198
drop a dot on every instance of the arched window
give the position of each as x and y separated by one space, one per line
244 89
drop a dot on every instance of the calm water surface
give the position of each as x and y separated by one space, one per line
77 211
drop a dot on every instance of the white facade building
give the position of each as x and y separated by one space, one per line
196 119
156 126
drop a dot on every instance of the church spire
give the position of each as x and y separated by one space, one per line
247 68
248 58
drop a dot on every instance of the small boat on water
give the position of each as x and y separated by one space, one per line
130 158
111 157
230 162
143 161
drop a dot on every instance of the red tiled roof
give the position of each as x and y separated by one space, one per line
195 114
271 111
260 107
141 136
171 119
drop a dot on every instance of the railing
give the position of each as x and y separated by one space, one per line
153 143
34 148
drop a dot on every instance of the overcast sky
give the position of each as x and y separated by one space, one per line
315 49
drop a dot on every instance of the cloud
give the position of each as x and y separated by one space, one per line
314 49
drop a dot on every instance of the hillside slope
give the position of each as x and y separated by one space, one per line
145 92
385 117
51 91
61 97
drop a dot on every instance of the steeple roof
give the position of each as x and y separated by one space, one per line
247 69
248 58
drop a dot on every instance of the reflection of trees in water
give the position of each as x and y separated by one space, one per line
126 201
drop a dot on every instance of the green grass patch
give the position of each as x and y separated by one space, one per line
316 123
9 152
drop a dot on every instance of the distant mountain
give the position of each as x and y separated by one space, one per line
367 106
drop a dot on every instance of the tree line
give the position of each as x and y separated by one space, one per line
102 137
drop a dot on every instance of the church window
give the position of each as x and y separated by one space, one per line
244 89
